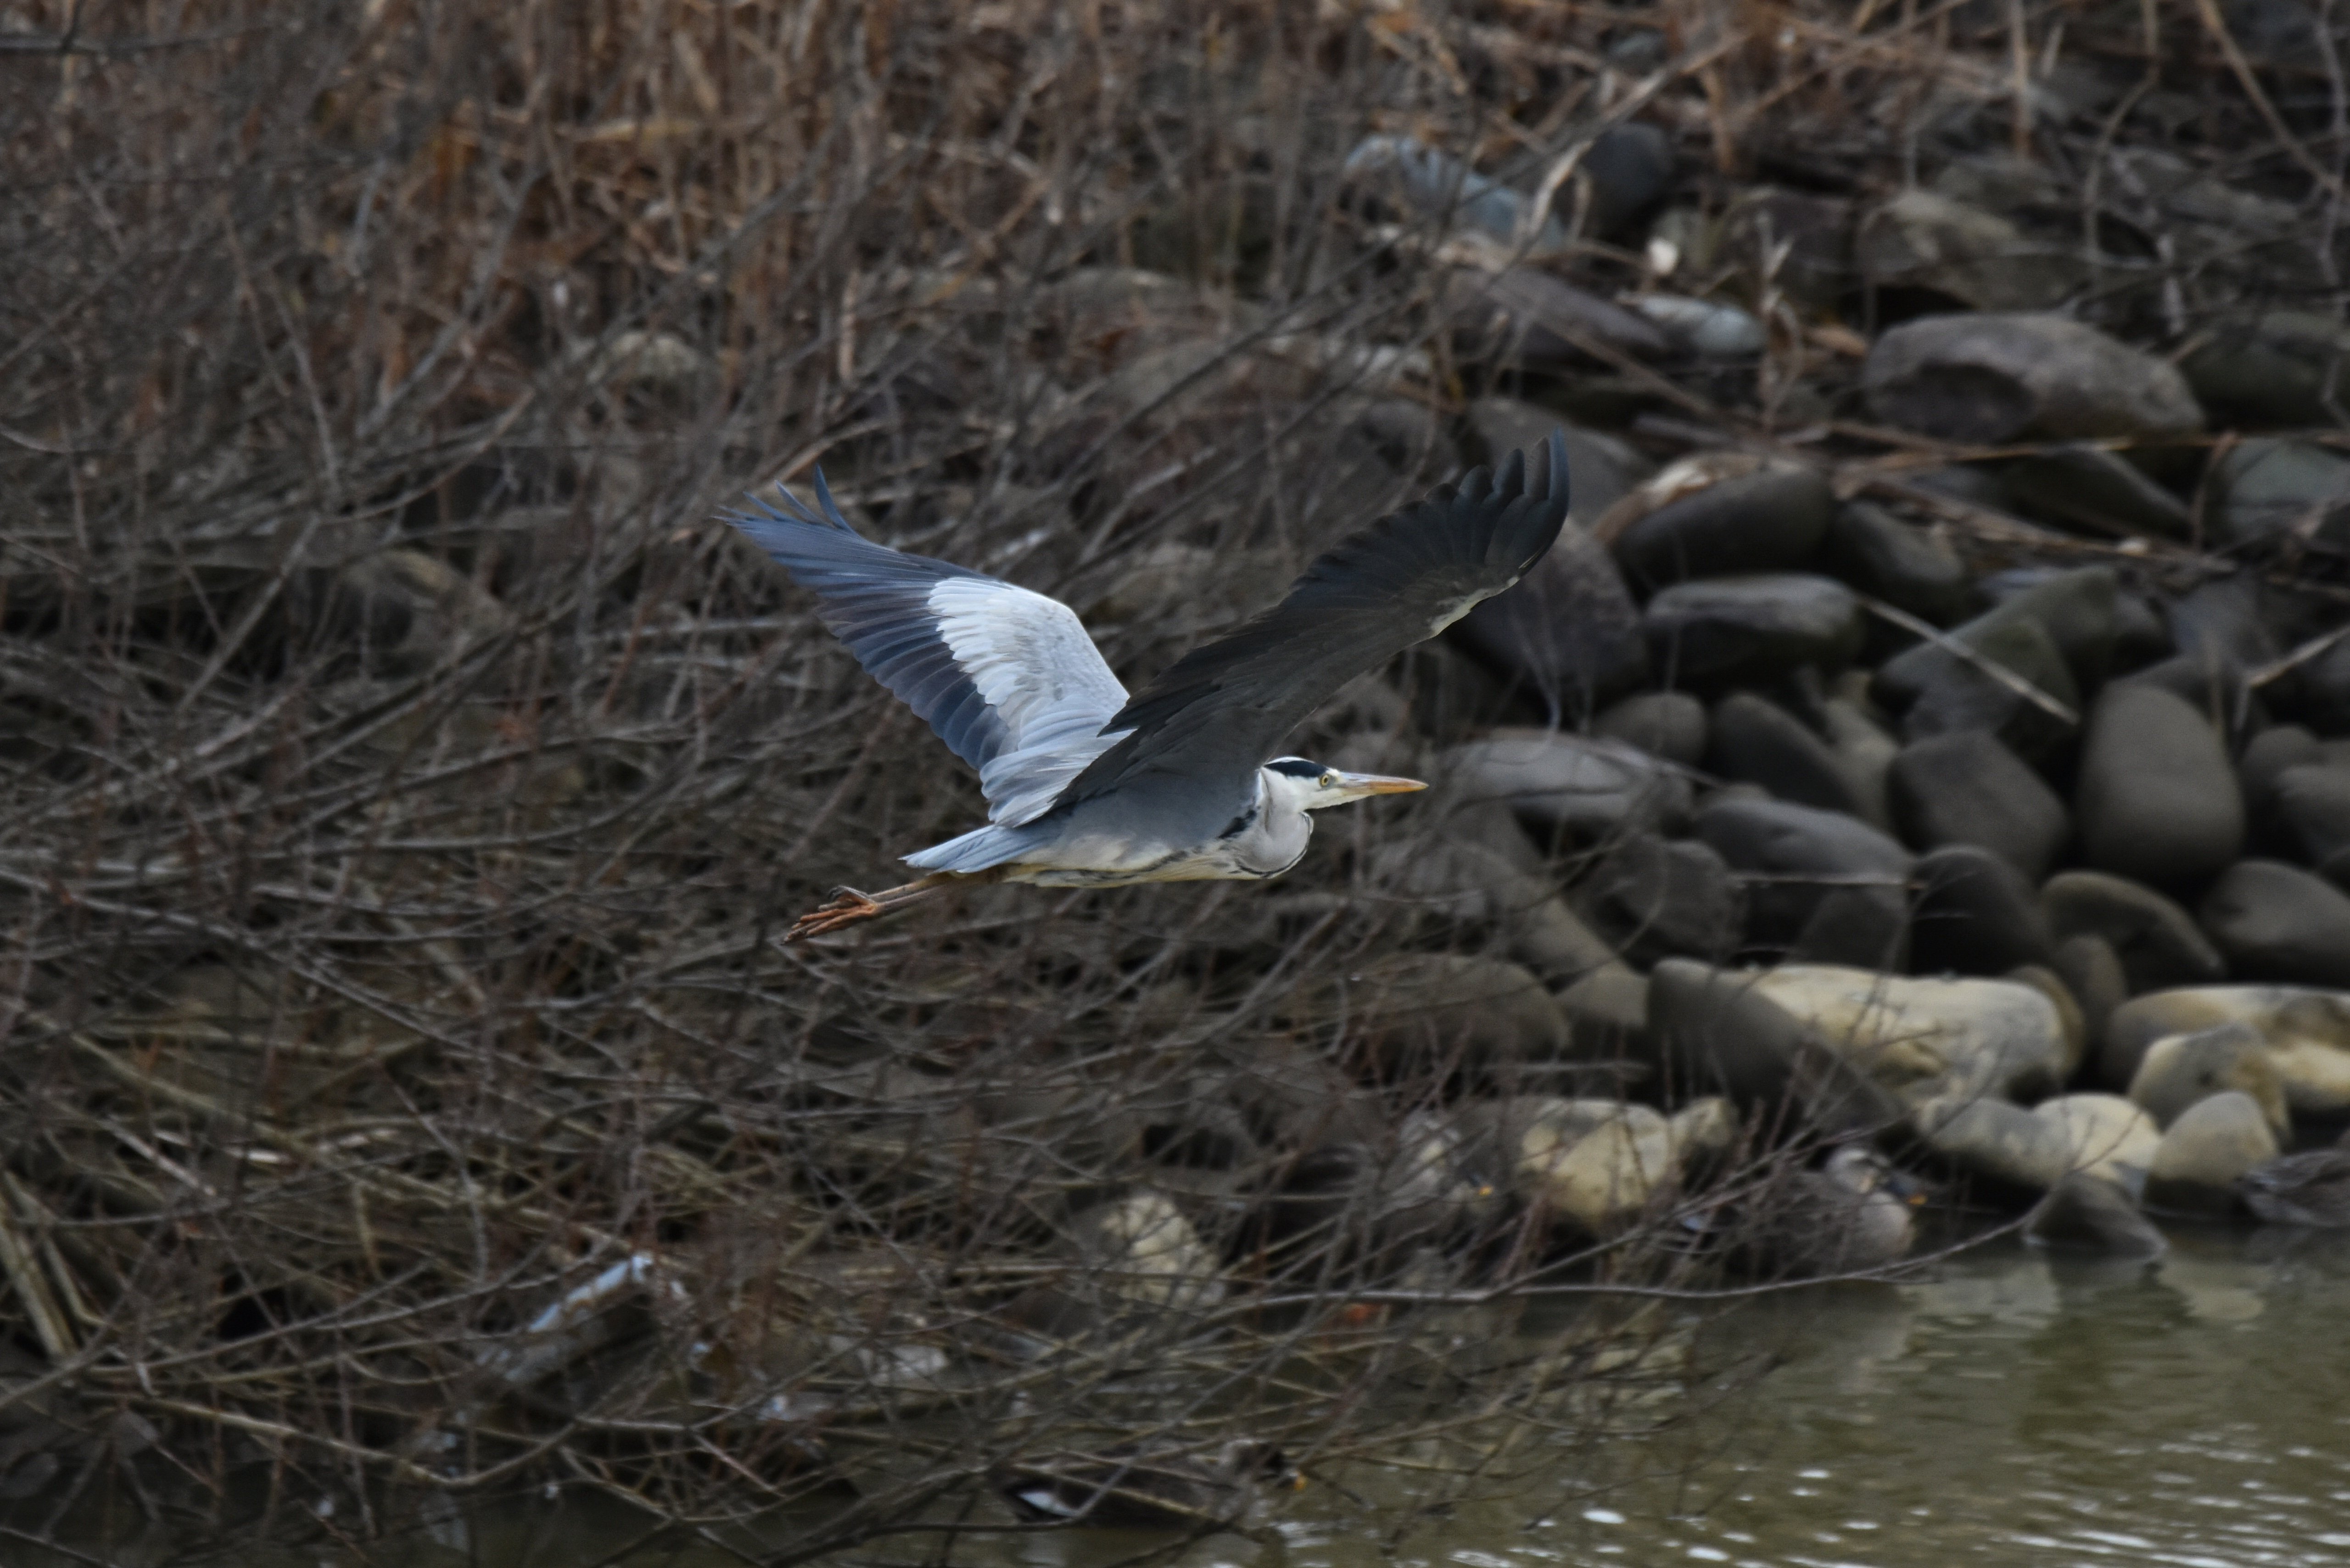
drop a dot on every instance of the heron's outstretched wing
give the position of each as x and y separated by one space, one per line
1222 710
1007 678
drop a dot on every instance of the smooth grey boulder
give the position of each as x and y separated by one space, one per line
1717 1032
2311 807
2157 942
1967 787
2054 636
2226 627
1985 378
1529 319
1975 914
2157 800
1805 851
1751 627
1909 567
2266 757
2090 1213
1865 927
2272 368
1762 743
1576 783
2092 973
1864 752
2227 1058
1568 632
1670 725
1921 239
2270 488
2275 921
1607 1015
1719 516
2089 490
2207 1152
1657 897
1482 871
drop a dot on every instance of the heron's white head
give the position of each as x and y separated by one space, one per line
1305 786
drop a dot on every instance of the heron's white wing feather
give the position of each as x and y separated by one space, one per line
1033 663
1007 678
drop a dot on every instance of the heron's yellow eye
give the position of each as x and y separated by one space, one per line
1328 779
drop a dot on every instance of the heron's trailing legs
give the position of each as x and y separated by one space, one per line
848 905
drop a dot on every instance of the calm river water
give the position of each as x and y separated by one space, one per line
2011 1408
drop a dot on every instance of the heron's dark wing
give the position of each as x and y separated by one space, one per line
1007 678
1222 710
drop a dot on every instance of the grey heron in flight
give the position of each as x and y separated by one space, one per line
1089 787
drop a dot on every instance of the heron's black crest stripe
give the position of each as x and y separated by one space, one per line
1295 767
1212 716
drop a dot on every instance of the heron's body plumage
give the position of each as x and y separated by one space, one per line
1090 787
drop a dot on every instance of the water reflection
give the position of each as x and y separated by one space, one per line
2009 1408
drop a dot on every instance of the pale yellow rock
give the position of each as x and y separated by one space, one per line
1597 1162
1927 1038
2307 1031
2104 1135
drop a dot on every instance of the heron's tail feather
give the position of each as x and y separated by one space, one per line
980 849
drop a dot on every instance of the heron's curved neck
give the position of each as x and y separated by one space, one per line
1273 834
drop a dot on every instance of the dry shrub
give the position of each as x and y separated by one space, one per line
406 782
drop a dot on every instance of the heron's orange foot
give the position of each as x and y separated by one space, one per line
847 907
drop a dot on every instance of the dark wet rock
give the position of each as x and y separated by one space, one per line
1975 914
1863 928
1992 1140
1909 567
2265 758
2157 800
2274 367
1417 1012
1657 897
1921 240
1812 235
1483 872
2178 1070
2089 489
1576 783
1968 788
1749 627
2276 921
2156 941
1994 377
2225 624
1925 1038
1719 516
2207 1152
2270 489
2312 808
1801 852
1672 724
1528 319
1604 470
2057 635
2093 973
1763 743
1717 1032
2094 1214
1568 632
2324 690
2310 1190
1630 168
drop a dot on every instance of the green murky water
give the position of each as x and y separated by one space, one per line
2010 1409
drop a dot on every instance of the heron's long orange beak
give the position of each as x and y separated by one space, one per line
1356 786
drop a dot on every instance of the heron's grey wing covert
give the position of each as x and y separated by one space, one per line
1220 711
1088 788
1007 678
